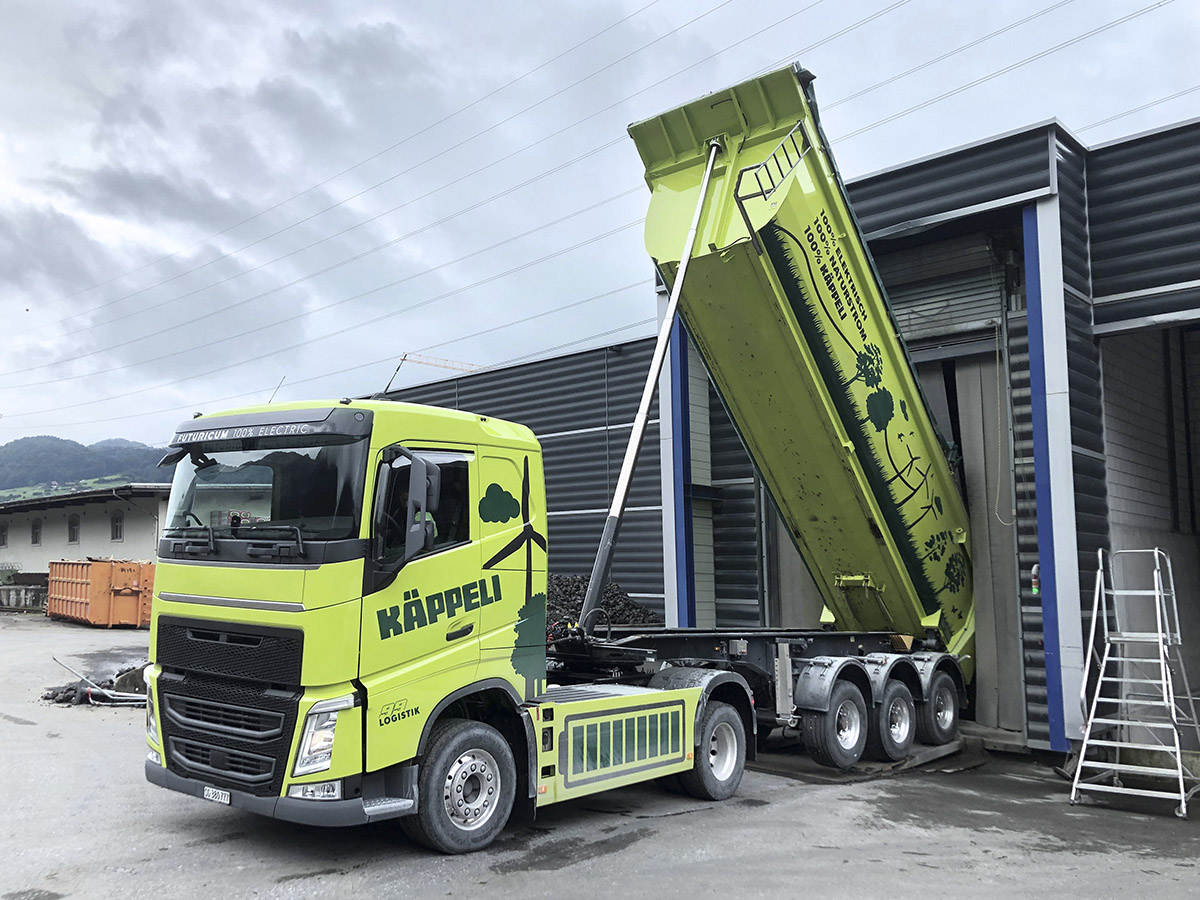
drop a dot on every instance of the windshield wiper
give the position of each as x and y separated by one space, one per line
275 549
192 546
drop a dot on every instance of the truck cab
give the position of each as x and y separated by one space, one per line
350 625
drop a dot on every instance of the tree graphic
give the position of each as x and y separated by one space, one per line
868 366
936 545
529 653
956 573
880 408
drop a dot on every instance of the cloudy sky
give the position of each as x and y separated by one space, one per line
199 200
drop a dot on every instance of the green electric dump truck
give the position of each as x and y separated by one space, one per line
349 621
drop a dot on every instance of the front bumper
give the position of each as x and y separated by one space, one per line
329 813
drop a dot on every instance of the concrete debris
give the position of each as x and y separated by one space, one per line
123 688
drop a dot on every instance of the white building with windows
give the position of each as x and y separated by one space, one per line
121 522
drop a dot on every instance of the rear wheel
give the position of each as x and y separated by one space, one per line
466 786
720 754
937 717
836 738
893 726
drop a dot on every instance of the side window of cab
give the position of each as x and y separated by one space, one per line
451 520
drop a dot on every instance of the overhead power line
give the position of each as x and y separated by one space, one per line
274 324
457 180
362 162
957 50
1138 109
340 331
261 390
586 118
1005 70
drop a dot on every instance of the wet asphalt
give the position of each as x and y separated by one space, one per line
78 820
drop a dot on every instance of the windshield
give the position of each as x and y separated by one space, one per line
267 488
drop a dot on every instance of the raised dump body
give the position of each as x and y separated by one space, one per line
784 305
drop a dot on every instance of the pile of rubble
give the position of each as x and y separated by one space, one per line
124 688
564 600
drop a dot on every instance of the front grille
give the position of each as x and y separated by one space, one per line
220 762
253 652
231 734
239 721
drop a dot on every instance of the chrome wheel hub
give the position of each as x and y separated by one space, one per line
471 790
943 709
848 724
899 721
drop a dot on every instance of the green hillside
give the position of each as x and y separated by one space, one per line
41 466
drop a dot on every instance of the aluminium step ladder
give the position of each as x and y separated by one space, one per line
1134 706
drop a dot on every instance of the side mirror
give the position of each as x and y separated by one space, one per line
414 540
172 457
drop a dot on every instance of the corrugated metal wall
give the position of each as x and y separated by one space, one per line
581 407
736 518
1073 216
989 174
1033 647
948 288
1144 210
1088 457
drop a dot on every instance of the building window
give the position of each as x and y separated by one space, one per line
35 532
3 535
73 529
117 524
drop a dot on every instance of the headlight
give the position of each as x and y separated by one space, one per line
316 744
151 721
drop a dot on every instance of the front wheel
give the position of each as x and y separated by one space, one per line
466 786
937 717
720 755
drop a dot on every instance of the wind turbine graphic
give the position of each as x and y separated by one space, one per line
527 537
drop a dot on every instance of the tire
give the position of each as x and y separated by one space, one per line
720 756
937 717
893 724
838 737
469 769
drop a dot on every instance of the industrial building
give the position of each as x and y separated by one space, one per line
1049 294
121 522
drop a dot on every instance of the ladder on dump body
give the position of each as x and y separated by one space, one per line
1135 706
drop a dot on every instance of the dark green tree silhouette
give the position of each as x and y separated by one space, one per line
529 653
880 408
869 366
956 573
936 545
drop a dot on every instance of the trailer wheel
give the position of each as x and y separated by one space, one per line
937 717
836 738
466 787
893 724
720 755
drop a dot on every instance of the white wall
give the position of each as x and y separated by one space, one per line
95 535
1137 437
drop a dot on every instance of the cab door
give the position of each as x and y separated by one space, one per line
420 629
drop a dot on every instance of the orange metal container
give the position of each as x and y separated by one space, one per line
100 592
147 594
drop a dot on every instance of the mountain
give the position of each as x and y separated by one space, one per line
42 461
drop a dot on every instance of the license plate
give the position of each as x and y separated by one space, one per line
216 795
